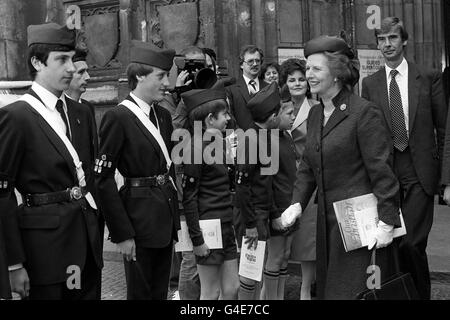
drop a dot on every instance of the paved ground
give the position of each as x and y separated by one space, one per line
438 252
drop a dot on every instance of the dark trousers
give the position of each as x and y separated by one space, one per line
90 288
417 208
148 277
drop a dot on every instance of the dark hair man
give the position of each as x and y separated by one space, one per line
412 100
135 138
53 244
250 59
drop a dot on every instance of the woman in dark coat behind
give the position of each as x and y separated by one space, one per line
346 155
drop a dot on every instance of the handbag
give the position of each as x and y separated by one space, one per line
398 287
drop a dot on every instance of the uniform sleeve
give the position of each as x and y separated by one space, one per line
439 112
374 143
365 90
191 184
180 117
111 142
11 154
305 184
245 174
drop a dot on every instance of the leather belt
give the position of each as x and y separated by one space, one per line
154 181
70 194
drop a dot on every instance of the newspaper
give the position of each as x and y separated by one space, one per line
358 218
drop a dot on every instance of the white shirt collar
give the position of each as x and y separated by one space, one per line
247 80
46 96
79 100
141 103
402 69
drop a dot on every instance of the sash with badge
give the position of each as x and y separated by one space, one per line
45 113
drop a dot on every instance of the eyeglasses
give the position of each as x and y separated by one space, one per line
253 61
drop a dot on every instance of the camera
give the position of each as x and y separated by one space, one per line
202 77
189 65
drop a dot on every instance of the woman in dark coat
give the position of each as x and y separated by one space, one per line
346 155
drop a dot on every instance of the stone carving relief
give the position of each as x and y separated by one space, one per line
178 24
100 25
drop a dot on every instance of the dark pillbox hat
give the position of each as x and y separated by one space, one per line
50 33
196 97
265 102
145 53
329 44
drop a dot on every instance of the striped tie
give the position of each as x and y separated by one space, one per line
252 83
397 115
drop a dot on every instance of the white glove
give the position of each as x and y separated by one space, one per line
382 236
289 215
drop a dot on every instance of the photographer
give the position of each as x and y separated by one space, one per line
193 62
188 282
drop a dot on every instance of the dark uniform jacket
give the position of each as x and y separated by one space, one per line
147 214
283 180
427 119
238 97
52 237
253 189
206 194
348 157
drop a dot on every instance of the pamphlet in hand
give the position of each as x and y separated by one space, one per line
358 218
212 234
252 261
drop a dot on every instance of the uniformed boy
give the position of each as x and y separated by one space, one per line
135 138
52 242
207 195
253 181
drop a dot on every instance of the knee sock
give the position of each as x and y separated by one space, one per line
271 279
246 291
282 283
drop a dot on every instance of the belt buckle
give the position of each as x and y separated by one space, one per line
160 179
76 193
27 200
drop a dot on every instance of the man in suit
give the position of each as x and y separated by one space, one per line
250 59
77 87
80 79
52 242
412 100
135 138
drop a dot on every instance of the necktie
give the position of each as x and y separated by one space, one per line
152 116
60 109
397 115
252 83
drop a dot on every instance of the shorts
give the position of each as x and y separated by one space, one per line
228 252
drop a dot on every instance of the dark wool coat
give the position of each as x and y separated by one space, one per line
348 157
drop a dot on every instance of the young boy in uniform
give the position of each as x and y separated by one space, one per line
207 195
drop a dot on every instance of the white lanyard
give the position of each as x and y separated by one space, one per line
140 114
45 113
